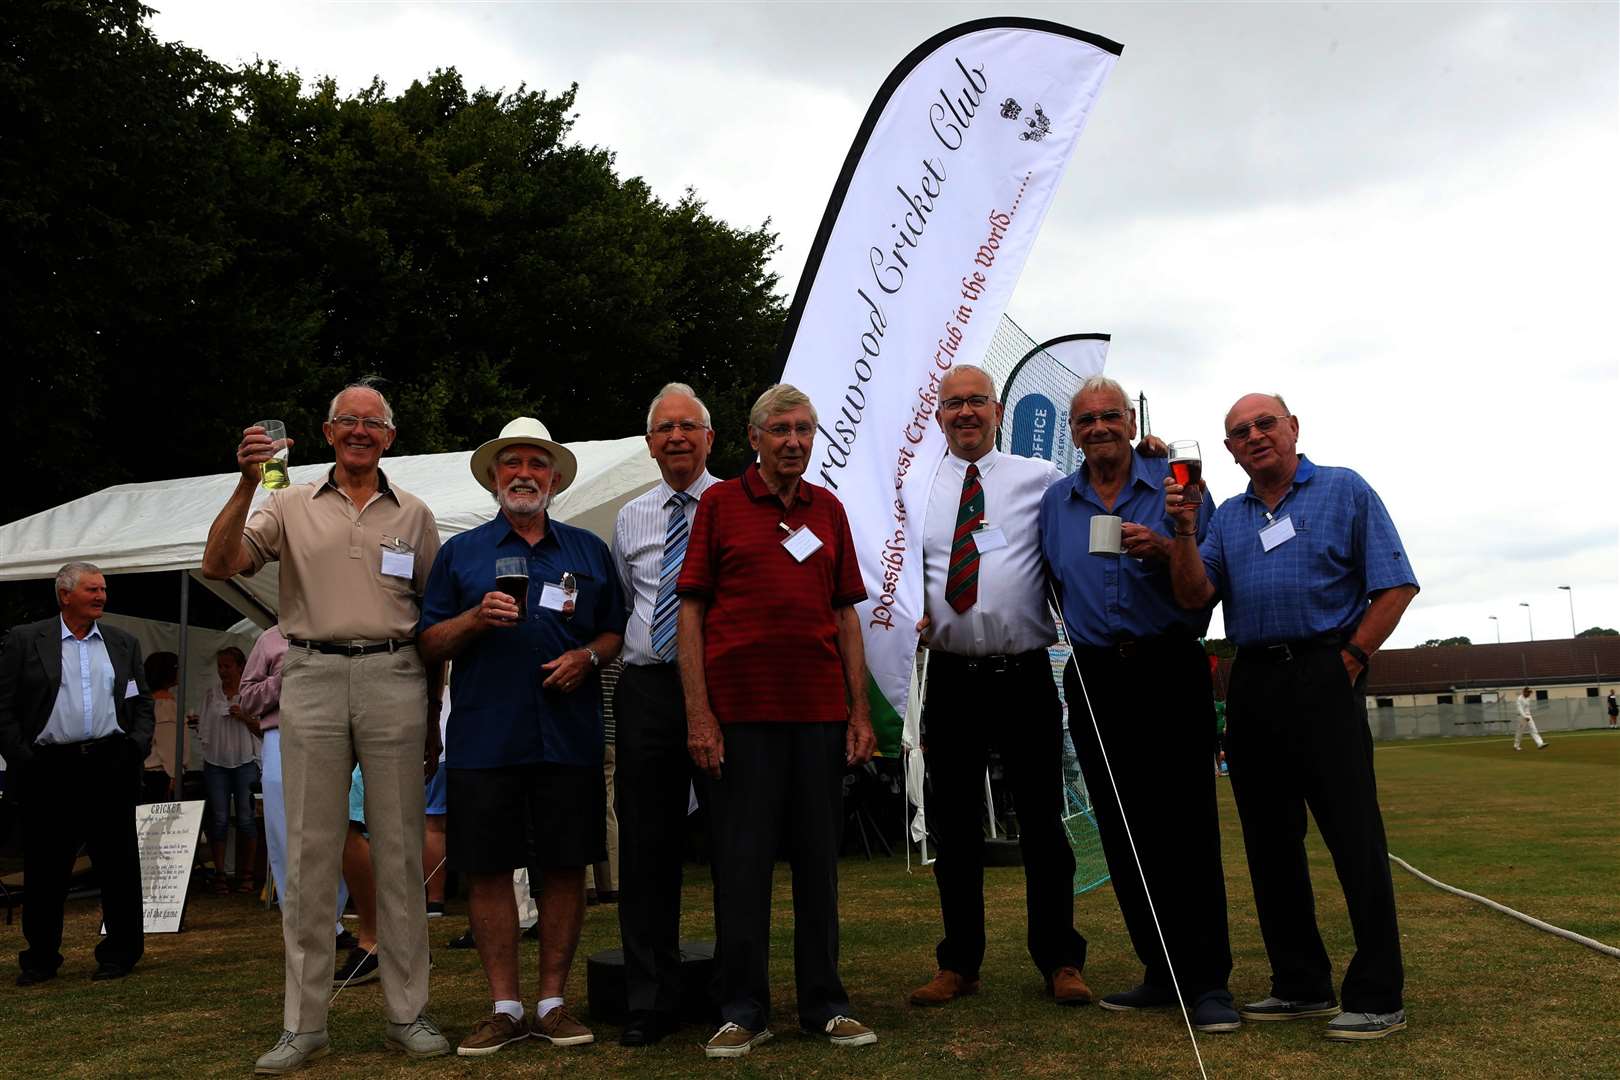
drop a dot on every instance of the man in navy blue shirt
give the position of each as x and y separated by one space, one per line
524 746
1313 578
1139 691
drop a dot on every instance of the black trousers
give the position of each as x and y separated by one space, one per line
1296 737
72 797
781 787
652 783
1154 707
972 708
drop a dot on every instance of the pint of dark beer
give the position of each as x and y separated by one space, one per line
512 578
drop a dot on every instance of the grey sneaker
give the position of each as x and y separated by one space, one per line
293 1049
1275 1008
421 1038
733 1040
842 1031
1356 1026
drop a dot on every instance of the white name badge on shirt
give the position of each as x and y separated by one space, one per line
132 690
553 598
988 539
801 543
1278 532
400 564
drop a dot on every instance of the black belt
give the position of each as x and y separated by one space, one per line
1130 648
991 665
349 649
1284 652
88 746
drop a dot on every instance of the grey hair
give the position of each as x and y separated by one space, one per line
975 367
1102 383
370 382
676 388
779 399
67 578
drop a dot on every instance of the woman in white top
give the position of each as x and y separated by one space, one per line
230 743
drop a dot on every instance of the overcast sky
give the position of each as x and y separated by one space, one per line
1403 217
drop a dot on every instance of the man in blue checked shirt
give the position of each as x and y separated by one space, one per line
524 745
1313 578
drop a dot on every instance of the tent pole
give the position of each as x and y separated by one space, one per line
180 730
989 804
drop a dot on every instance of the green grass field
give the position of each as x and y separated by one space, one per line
1486 995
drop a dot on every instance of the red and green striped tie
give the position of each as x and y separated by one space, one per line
962 584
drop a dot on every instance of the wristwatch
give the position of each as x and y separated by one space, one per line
596 661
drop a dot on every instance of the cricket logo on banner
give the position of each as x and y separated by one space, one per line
929 225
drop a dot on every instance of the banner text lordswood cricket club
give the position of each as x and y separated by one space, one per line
950 118
927 230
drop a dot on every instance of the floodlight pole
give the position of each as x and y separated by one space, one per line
1498 624
1571 592
1529 618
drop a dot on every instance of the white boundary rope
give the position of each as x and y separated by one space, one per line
1140 873
373 950
1559 931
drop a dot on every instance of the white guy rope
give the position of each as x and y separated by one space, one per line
1119 802
1559 931
373 949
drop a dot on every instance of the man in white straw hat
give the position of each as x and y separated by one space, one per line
529 609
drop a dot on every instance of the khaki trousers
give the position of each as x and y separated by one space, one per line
335 711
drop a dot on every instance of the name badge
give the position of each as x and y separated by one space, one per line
989 538
554 598
132 690
801 543
1278 532
400 564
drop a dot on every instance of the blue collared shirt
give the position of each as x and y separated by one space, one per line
499 714
1345 548
1113 599
85 707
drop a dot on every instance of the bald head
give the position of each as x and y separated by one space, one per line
1261 436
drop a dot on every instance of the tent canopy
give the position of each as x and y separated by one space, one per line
163 525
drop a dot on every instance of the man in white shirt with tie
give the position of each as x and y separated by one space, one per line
990 687
654 770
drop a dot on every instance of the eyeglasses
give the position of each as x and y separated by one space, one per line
372 423
955 404
685 427
1262 424
1107 416
782 431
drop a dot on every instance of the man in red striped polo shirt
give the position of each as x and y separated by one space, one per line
775 683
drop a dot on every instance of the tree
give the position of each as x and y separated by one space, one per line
1439 643
1598 631
193 247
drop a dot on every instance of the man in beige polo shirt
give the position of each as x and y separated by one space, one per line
355 554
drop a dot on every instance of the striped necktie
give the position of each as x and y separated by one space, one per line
962 583
668 604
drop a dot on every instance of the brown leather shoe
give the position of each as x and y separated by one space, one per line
946 986
1067 987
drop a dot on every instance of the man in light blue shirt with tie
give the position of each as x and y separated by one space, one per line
75 726
653 781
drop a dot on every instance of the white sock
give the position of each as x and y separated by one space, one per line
514 1009
546 1005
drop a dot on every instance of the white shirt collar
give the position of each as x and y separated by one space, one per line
985 463
95 630
696 488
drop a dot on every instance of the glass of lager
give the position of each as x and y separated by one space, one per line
1187 466
275 470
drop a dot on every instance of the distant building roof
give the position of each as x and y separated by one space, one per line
1457 667
1442 669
